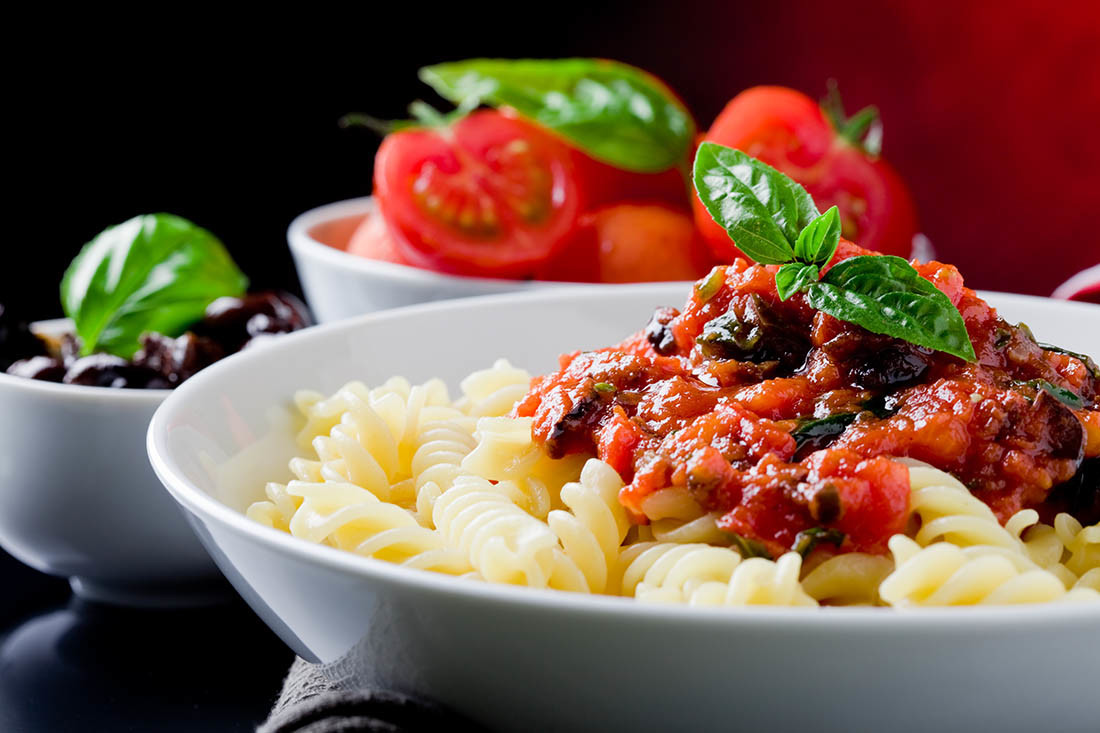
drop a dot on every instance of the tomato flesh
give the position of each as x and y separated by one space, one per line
787 130
489 195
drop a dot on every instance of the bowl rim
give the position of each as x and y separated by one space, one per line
78 391
208 509
303 244
85 392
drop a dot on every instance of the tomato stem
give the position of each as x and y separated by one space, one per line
863 129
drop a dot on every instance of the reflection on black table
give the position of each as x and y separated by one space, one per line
84 666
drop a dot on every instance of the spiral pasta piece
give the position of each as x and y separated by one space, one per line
493 392
351 518
949 512
503 543
704 575
593 529
851 578
505 452
1082 544
437 462
944 574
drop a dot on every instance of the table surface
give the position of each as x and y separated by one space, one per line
66 664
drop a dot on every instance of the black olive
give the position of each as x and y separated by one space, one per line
572 423
1064 433
232 322
106 370
892 365
659 334
751 330
44 368
176 359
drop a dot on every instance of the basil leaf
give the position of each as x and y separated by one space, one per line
885 295
156 272
818 241
818 434
1085 359
1067 397
762 210
614 112
794 277
806 540
749 548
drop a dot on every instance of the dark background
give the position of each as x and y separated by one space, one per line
991 112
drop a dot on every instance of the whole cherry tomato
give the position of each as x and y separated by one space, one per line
372 239
836 159
632 242
488 195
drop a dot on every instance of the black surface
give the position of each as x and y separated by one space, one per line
68 665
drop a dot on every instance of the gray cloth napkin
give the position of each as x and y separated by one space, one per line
310 703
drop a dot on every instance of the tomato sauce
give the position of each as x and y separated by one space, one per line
784 419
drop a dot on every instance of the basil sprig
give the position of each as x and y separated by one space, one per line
614 112
156 272
774 221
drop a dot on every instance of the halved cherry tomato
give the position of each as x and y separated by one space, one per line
789 131
488 195
372 239
632 242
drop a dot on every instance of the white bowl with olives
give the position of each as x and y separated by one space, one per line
151 301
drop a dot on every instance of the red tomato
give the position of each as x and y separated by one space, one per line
372 239
632 242
788 130
489 195
606 184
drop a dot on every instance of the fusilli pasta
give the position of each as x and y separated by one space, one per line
401 473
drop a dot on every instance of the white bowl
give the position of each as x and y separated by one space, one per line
78 497
520 659
339 285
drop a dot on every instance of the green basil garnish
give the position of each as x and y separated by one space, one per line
884 294
775 222
763 210
1063 395
156 272
749 548
614 112
806 540
818 241
819 433
795 277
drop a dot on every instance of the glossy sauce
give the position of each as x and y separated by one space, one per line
712 399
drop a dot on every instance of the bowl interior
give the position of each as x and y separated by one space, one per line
336 233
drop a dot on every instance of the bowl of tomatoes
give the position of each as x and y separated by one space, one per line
571 172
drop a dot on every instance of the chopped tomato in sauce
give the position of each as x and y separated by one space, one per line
714 399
